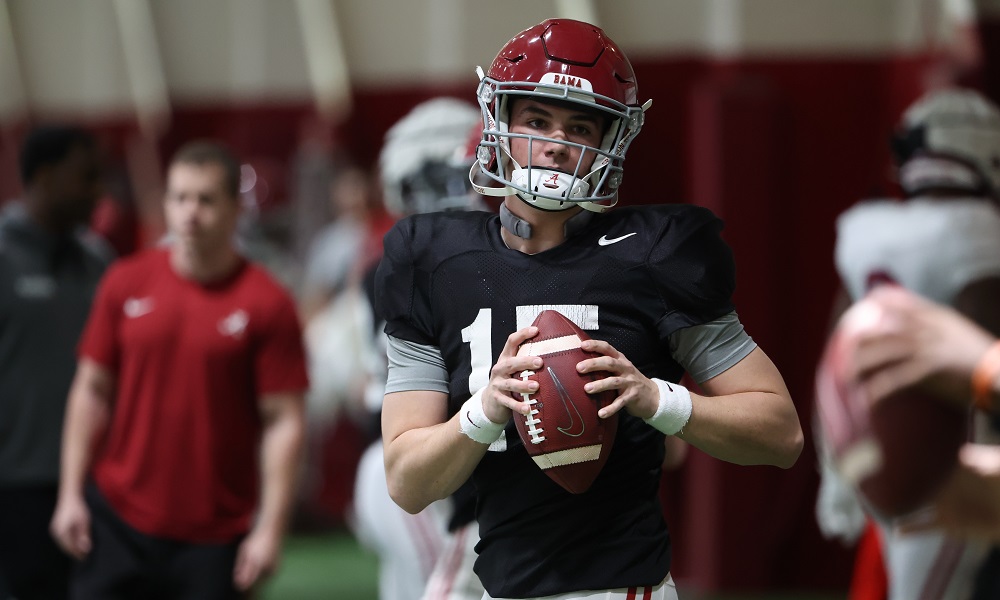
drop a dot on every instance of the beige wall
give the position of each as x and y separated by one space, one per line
69 56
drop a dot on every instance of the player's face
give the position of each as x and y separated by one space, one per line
74 186
200 213
561 123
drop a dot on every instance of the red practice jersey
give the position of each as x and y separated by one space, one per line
180 458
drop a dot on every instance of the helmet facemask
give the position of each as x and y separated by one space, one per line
425 157
439 186
949 141
594 182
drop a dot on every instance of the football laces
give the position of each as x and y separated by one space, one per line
530 419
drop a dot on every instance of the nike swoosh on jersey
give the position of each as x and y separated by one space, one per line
604 241
137 307
235 324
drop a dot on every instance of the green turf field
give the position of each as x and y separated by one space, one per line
333 567
324 567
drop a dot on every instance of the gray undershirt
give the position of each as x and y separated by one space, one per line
704 351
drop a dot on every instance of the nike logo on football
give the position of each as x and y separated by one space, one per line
567 402
604 241
137 307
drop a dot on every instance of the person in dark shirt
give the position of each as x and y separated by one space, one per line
651 285
49 268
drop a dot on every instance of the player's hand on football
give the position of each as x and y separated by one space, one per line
70 526
968 506
912 341
637 394
256 559
506 383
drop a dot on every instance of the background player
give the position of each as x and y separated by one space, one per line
947 151
652 285
932 346
423 167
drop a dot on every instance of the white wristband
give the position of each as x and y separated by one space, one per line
474 423
674 410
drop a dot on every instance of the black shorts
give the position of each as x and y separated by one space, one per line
127 564
32 567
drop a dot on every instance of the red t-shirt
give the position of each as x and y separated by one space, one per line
180 458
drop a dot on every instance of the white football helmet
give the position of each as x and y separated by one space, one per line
949 140
424 161
573 62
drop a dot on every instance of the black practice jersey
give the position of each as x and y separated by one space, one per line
632 277
463 500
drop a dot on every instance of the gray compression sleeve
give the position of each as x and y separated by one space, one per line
710 348
703 350
415 367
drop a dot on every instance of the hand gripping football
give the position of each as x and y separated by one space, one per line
896 453
563 433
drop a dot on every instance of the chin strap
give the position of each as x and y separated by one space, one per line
522 228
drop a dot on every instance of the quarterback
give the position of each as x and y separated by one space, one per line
650 285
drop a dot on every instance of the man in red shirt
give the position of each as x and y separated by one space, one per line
184 428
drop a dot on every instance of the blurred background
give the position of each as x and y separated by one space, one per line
773 113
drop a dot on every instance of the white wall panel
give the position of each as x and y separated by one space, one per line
70 58
194 38
70 55
787 28
389 41
247 50
796 28
654 27
13 103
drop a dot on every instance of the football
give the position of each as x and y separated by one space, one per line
562 433
900 451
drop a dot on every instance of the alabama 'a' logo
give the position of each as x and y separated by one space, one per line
552 181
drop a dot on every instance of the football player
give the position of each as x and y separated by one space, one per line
428 555
652 285
942 242
923 343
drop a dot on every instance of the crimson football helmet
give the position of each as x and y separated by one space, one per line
567 61
949 139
